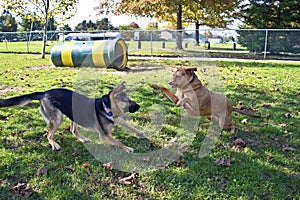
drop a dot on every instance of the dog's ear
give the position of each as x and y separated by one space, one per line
120 87
194 69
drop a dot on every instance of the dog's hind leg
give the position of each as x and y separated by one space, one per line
53 118
73 129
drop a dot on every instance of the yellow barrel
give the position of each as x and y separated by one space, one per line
103 53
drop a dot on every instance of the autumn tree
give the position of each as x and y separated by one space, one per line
41 11
212 13
163 10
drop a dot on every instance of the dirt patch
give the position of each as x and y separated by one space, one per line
42 67
6 88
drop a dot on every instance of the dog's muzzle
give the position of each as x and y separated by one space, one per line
133 107
171 84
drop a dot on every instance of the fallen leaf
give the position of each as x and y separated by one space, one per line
223 162
286 135
69 167
76 153
85 165
41 171
108 165
152 146
268 116
244 121
283 125
288 149
287 115
266 105
23 189
19 187
128 180
239 143
269 158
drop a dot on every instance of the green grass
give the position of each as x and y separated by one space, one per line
264 169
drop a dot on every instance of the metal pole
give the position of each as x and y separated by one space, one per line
266 43
151 43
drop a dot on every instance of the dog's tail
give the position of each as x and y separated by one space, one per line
21 100
244 112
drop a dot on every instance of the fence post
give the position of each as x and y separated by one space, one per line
266 43
151 43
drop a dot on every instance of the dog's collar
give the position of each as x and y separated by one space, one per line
107 112
190 82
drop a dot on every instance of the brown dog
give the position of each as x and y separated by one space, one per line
197 100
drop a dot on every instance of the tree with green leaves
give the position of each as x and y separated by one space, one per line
29 25
103 24
42 11
272 14
275 14
212 13
7 22
164 10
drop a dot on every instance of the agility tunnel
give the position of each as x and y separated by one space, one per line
102 53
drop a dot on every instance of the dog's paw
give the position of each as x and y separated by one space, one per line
156 87
83 139
55 147
130 150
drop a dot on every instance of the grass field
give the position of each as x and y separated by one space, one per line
260 161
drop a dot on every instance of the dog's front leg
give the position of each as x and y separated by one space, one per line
120 121
185 102
73 129
169 94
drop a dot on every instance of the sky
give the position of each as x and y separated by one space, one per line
85 11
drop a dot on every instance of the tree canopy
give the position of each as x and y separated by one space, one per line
7 22
41 11
103 24
273 14
205 12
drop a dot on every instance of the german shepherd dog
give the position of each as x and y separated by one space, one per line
197 100
99 114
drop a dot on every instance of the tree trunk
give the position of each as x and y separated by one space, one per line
179 28
44 40
197 25
45 29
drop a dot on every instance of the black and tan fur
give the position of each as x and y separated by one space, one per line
83 111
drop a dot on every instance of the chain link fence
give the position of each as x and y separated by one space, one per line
240 43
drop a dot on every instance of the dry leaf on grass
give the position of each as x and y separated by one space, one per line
287 148
23 189
76 153
108 165
69 167
244 121
41 171
223 162
128 180
239 143
85 165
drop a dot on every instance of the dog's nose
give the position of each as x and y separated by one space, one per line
170 83
133 107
